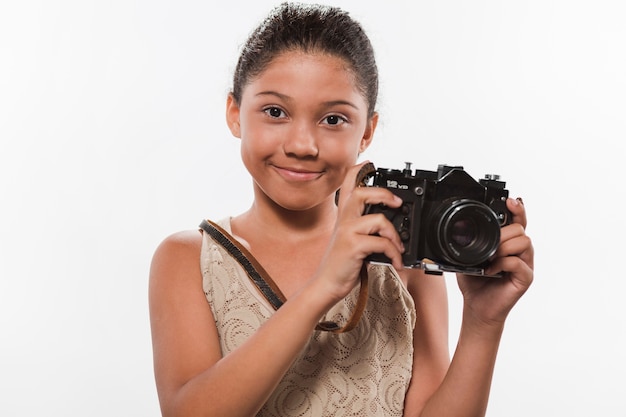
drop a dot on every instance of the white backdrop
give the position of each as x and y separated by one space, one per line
113 136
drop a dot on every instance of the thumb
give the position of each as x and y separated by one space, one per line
354 178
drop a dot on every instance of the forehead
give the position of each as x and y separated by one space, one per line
313 73
300 57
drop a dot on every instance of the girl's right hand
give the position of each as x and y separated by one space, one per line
356 235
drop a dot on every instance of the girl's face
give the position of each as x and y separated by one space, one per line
302 123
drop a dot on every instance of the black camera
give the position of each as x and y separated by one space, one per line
448 221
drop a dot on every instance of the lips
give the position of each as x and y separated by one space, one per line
297 174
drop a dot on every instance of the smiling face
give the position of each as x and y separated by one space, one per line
302 123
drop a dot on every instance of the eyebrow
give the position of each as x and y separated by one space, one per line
290 99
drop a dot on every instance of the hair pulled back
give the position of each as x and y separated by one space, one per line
311 29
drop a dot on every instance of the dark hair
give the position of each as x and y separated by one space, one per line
309 28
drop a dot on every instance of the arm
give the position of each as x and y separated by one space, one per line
431 357
464 390
192 377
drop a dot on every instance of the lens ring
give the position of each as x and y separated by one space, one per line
467 232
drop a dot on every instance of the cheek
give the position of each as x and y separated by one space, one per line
251 152
255 140
341 159
256 147
344 150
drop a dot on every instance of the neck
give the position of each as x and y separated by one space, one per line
266 218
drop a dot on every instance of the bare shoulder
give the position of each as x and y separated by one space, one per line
179 243
175 269
180 250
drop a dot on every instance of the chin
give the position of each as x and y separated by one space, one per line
304 203
298 198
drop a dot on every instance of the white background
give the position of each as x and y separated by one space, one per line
113 136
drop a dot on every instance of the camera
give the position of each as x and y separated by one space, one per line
448 221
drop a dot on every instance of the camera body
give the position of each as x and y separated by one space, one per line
448 222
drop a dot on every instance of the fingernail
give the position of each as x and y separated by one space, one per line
519 200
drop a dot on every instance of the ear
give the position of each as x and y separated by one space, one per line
232 116
368 135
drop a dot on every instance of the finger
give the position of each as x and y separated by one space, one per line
517 209
518 271
355 204
349 182
381 226
520 246
511 231
514 246
374 225
378 244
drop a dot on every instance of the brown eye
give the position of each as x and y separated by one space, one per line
274 112
334 120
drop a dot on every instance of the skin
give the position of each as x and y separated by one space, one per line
302 123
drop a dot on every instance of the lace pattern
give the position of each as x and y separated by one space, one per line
365 371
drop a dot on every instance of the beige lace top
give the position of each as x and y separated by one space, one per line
363 372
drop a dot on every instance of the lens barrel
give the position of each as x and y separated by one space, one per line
466 232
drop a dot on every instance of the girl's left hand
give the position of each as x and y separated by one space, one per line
489 300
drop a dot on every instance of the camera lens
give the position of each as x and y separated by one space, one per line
463 232
467 232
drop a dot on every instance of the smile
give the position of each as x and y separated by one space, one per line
298 175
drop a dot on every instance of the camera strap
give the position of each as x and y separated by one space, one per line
262 280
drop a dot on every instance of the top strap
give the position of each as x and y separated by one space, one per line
255 271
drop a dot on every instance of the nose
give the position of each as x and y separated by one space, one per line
301 141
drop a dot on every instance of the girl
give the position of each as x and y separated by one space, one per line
303 105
